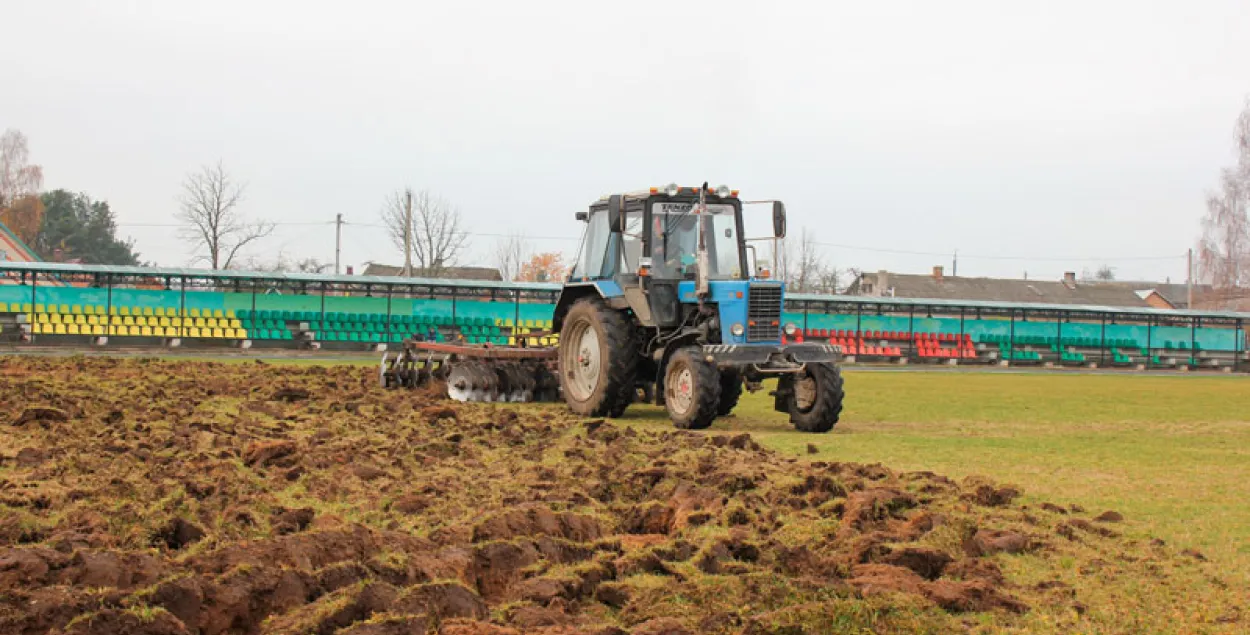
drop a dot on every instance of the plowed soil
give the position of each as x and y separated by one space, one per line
140 496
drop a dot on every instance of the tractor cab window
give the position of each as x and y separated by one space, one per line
675 241
593 256
631 241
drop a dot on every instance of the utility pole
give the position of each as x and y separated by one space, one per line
408 233
338 241
955 264
1189 279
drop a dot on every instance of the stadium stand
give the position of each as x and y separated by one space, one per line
70 305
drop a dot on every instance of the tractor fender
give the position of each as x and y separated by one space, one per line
608 290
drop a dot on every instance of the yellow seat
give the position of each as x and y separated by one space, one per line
4 307
163 321
41 318
235 323
36 328
64 308
195 332
121 330
93 320
147 311
199 322
508 323
146 330
26 308
512 341
218 313
88 310
176 322
97 330
76 310
195 313
128 321
159 311
211 323
125 310
230 314
140 320
39 308
54 318
71 329
218 333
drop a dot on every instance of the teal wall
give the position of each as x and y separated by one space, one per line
1208 338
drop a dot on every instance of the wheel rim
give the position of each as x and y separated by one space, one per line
805 393
582 363
680 391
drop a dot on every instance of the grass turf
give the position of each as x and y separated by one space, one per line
1170 453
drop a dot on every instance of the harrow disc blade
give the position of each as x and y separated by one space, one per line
472 381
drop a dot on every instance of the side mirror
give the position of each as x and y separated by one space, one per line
779 219
582 216
615 217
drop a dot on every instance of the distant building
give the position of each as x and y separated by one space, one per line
452 273
1069 290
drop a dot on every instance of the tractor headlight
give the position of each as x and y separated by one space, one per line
791 329
671 189
723 191
737 330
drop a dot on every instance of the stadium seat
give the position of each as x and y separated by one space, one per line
146 331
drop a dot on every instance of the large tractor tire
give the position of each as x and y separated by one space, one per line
813 397
730 391
691 389
598 359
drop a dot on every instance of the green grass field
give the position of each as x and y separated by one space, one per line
1170 453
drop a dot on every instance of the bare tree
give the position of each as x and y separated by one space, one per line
510 255
1224 250
804 269
210 200
18 178
282 263
432 231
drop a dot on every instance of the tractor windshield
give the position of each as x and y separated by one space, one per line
675 241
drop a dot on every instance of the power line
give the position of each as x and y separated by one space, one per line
906 252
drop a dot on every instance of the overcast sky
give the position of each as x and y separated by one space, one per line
1038 137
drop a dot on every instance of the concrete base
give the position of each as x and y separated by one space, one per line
1182 369
101 340
903 361
1139 367
952 362
316 346
174 342
379 348
849 359
1048 365
1004 363
1226 369
245 344
1092 365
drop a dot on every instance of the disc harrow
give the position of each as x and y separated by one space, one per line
475 373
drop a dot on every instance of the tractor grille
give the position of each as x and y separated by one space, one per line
764 313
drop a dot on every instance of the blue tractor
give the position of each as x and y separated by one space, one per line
661 297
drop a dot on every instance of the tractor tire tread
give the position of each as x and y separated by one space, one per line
824 414
706 389
730 391
619 345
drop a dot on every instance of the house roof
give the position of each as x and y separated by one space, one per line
448 273
14 248
1006 290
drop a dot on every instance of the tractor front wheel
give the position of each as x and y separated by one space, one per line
813 397
730 391
692 388
598 359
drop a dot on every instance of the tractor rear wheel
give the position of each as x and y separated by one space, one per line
814 398
598 359
691 389
730 391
